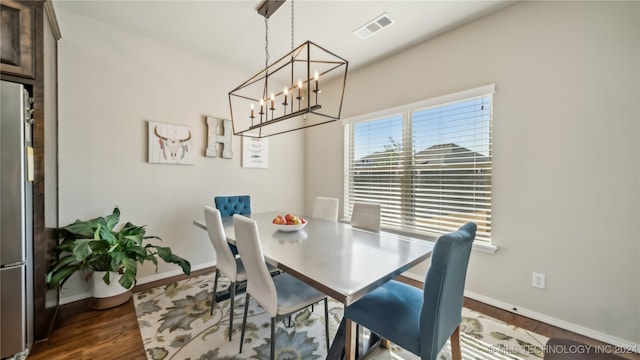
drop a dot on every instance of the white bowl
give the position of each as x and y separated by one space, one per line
289 228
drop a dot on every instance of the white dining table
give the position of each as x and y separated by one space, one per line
341 261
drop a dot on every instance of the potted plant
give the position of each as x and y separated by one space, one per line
97 247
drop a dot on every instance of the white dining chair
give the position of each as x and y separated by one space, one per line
280 295
366 216
227 263
326 208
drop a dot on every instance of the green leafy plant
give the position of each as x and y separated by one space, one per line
95 245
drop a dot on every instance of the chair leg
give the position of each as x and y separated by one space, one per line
273 338
244 320
326 321
456 353
232 287
358 341
215 289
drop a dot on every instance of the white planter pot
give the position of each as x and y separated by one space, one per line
108 296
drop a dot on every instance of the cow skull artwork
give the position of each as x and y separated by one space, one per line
169 144
173 146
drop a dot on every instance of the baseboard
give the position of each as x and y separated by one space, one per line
504 308
74 298
413 276
621 343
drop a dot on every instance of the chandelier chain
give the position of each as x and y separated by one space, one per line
266 42
292 25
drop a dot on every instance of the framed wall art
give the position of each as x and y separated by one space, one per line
170 144
255 152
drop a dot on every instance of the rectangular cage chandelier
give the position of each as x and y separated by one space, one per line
289 94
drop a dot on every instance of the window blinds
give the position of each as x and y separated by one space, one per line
429 167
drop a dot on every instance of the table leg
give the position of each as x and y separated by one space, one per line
350 340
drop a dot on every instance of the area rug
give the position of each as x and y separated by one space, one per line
175 323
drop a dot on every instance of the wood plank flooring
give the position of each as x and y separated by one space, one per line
81 333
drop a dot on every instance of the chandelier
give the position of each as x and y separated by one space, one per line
289 94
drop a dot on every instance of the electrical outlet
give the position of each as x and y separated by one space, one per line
538 280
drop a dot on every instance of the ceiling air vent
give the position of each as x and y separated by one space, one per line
374 26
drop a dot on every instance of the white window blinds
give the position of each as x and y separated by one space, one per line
429 166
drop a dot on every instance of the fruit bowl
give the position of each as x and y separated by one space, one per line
290 228
289 223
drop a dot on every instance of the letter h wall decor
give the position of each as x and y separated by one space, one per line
214 138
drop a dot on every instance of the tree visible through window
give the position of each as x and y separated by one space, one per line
429 168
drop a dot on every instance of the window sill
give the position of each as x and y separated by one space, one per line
485 248
477 246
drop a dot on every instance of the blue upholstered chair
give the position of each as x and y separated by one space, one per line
231 205
422 321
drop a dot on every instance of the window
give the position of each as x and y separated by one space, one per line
428 164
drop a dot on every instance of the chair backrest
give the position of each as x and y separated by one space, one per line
230 205
444 289
259 282
326 208
226 262
366 216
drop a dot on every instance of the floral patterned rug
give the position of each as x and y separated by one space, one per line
175 323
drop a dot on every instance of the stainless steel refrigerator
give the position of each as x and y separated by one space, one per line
16 222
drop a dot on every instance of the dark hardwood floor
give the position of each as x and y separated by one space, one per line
81 333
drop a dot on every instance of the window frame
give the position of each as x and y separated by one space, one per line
404 111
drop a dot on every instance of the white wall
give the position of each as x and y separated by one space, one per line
111 83
566 199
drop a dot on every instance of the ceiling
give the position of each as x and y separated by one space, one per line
232 32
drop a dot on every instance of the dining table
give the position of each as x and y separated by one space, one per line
342 261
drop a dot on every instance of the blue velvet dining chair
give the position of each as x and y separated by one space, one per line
231 205
421 321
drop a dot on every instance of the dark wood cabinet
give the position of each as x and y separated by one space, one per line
17 54
30 35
